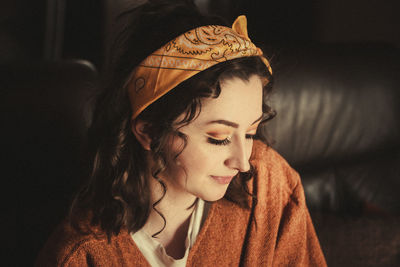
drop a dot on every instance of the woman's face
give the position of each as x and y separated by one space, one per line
219 141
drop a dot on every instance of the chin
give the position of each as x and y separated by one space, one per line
213 196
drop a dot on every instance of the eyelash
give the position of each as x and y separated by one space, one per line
227 141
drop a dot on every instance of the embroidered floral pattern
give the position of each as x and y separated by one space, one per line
188 54
196 48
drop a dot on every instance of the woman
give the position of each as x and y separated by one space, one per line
177 179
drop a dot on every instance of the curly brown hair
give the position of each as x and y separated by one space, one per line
117 192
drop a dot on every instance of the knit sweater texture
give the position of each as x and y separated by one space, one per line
276 232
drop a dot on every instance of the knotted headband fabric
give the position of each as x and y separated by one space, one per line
184 57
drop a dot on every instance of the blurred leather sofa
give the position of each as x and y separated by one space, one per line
45 112
337 125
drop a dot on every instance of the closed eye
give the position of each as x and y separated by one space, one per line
218 142
251 136
227 141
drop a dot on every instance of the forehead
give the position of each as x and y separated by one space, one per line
240 101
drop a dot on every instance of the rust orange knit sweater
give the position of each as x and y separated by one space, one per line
283 234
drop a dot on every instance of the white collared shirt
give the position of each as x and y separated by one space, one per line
156 254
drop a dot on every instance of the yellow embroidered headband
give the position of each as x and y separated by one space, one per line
184 57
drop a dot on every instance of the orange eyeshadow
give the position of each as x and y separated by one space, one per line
253 128
218 133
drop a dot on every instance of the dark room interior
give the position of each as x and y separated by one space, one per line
336 92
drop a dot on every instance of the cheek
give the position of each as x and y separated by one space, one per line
196 160
249 149
201 158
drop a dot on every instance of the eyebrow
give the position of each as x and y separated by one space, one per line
233 124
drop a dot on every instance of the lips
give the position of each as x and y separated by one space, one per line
222 179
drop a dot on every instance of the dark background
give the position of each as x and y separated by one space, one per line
79 29
38 30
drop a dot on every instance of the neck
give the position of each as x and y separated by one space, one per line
176 208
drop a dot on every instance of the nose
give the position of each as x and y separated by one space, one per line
239 156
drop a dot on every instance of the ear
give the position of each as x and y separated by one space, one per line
139 130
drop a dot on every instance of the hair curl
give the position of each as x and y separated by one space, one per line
117 192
